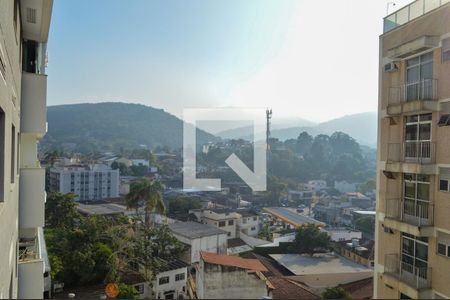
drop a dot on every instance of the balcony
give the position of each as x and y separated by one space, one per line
31 265
411 157
413 217
418 278
34 104
36 15
31 198
413 97
410 12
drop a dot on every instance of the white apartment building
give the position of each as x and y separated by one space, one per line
89 183
24 27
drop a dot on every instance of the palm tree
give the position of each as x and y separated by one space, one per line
149 193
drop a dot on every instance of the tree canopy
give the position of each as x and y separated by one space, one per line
309 239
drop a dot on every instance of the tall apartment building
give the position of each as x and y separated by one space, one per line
24 27
89 183
413 204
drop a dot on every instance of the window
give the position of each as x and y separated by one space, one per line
446 50
179 277
253 228
418 136
414 254
443 185
444 120
139 288
416 191
444 179
230 222
419 77
443 244
244 220
255 218
222 223
13 153
2 155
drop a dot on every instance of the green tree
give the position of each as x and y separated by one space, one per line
60 210
276 189
127 292
304 143
147 193
336 293
182 205
309 238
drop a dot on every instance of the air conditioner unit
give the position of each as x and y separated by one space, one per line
390 67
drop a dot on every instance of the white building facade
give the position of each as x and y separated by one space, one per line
24 27
89 183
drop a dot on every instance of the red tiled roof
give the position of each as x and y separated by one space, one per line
289 289
234 261
361 289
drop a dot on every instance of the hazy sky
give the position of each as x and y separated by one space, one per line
313 59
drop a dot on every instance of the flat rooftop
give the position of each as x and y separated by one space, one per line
320 263
194 230
101 209
291 217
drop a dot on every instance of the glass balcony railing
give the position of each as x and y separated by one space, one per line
410 12
414 276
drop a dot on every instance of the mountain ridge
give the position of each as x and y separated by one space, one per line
86 127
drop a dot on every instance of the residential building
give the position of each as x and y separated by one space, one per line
316 185
223 218
412 256
345 187
169 282
199 237
343 234
249 222
233 221
140 162
230 277
24 28
87 182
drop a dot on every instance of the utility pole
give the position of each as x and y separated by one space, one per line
268 117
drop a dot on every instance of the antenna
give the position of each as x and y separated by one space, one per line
268 117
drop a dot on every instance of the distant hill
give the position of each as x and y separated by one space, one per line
362 127
114 125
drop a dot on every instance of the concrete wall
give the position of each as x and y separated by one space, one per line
224 282
213 243
251 227
10 95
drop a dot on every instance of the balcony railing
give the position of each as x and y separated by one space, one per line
423 90
416 277
411 151
418 213
410 12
